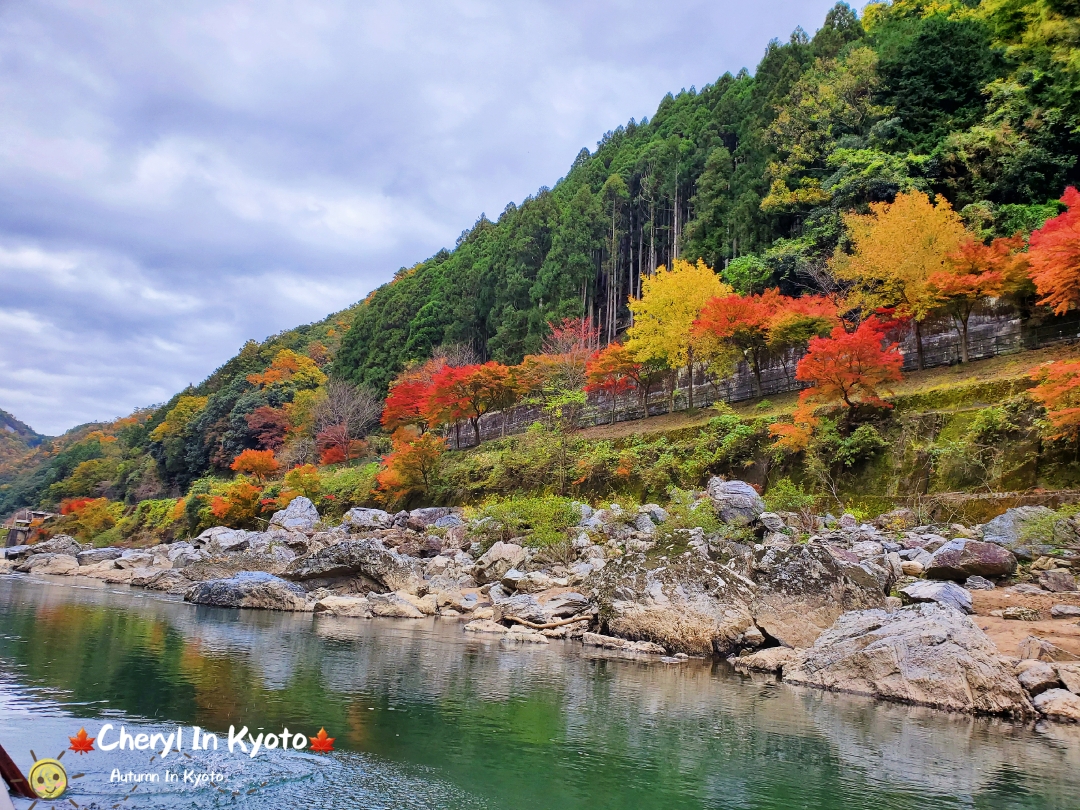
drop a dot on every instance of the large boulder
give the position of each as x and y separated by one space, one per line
61 544
802 590
56 564
1007 530
959 559
95 555
1059 704
926 653
220 540
944 593
359 519
300 516
352 606
497 560
735 502
367 558
1058 580
248 589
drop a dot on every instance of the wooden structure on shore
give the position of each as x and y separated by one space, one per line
22 524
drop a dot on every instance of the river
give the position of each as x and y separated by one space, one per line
425 716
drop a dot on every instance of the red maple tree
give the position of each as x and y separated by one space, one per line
1058 390
269 426
1054 255
612 371
468 393
848 369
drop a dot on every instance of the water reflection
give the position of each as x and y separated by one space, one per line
427 715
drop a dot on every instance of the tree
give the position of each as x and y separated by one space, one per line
747 274
664 315
895 250
303 480
574 336
412 467
848 369
289 368
268 426
740 323
612 371
259 463
343 414
1058 391
406 403
468 393
1055 257
974 272
237 506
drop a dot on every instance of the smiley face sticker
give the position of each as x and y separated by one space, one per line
48 779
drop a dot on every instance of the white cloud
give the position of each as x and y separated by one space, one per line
178 178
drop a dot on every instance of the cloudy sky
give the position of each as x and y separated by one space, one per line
178 176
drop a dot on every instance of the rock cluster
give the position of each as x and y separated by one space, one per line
878 608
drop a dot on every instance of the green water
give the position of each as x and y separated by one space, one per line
423 715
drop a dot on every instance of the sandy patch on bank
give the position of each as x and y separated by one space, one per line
1007 634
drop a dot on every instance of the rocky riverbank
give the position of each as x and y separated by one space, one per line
973 619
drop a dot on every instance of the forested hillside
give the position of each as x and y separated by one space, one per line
756 175
979 102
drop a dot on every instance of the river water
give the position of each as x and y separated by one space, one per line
425 716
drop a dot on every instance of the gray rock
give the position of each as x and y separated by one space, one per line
1006 530
95 555
1037 676
959 559
1018 613
735 502
643 523
498 559
1059 704
1065 612
61 544
1057 581
926 653
357 607
613 643
848 521
394 606
978 584
250 589
1042 650
449 522
566 605
365 557
428 516
521 606
656 513
945 593
772 522
222 540
897 520
300 515
774 659
359 519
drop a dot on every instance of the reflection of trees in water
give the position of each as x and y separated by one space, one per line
736 740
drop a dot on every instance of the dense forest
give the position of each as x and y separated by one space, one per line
978 102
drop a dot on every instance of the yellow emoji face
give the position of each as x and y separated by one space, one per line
48 779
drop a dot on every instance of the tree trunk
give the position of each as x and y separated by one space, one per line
918 344
964 340
476 428
690 369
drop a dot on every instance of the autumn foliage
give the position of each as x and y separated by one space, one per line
1055 257
259 463
412 467
613 371
1058 390
238 505
848 369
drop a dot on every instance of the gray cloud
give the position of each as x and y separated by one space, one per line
179 177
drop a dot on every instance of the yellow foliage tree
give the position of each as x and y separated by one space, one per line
671 300
185 409
290 367
896 248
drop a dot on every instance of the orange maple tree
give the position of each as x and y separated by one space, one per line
976 271
321 743
848 369
406 403
411 467
468 393
1058 391
81 743
612 371
238 505
259 463
1054 255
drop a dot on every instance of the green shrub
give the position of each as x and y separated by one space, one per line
786 496
542 521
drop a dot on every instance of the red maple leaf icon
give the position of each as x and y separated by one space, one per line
321 744
80 743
